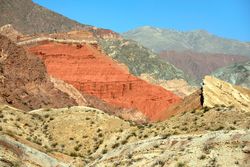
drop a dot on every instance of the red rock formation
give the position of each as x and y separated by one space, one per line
96 74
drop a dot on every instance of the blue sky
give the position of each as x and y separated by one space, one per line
225 18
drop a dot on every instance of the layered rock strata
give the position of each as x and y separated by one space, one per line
94 73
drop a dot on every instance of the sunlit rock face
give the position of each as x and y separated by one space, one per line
217 92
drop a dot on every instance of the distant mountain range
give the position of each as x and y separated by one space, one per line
197 41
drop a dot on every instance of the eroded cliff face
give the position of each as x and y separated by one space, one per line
94 73
217 92
24 82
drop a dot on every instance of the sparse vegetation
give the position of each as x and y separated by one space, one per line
104 151
115 145
95 138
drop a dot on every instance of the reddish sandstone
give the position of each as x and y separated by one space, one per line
94 73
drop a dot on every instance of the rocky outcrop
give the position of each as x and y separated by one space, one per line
9 31
197 65
24 81
217 92
91 72
237 74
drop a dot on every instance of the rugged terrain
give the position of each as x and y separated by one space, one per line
197 41
237 74
100 69
92 137
109 81
217 135
197 65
